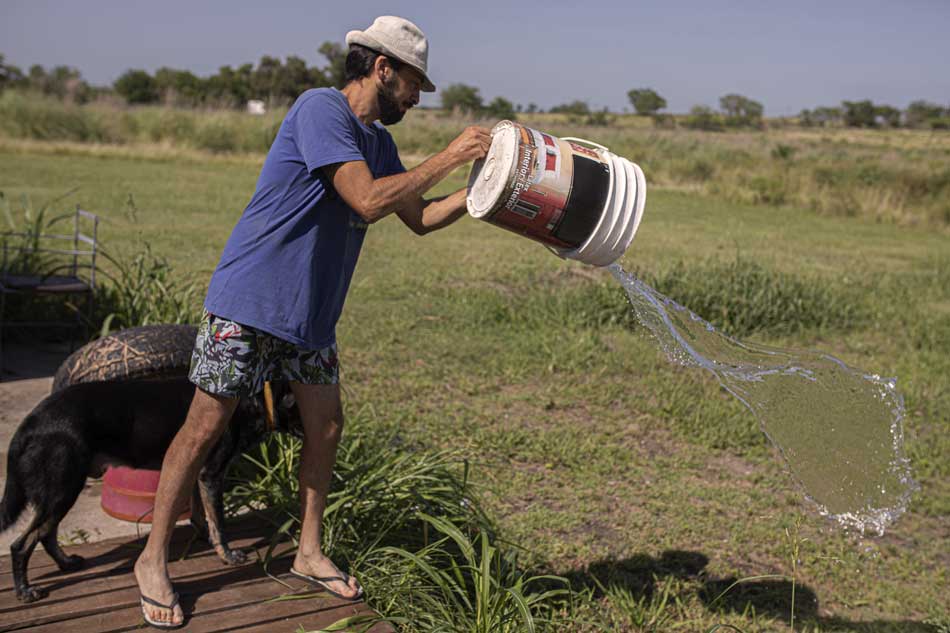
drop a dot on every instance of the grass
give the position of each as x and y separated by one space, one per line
642 484
893 176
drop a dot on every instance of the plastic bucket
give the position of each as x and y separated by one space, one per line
128 494
573 196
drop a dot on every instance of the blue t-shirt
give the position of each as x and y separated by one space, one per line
288 263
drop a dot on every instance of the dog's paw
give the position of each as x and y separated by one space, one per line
233 557
30 593
72 563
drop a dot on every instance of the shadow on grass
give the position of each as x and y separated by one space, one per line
771 598
640 573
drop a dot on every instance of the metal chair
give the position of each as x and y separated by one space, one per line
68 263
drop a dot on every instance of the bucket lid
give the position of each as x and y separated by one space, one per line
490 174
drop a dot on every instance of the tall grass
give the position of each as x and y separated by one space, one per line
410 524
133 288
900 176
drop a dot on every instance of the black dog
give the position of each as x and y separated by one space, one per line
76 432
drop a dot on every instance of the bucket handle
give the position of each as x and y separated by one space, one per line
581 140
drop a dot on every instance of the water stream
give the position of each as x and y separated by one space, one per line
839 429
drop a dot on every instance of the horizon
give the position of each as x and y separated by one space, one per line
787 58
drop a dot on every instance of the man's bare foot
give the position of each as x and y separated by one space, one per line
320 566
154 584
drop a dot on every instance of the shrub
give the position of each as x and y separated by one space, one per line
704 118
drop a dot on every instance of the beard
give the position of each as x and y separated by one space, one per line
389 110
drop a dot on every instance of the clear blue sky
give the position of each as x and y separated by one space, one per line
788 55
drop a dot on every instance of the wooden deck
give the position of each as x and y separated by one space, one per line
103 595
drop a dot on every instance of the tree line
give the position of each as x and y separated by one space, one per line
271 80
279 82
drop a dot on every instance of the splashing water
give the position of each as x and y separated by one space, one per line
839 429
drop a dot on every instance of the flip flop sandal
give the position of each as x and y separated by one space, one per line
155 623
321 581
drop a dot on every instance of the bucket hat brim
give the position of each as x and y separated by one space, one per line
364 39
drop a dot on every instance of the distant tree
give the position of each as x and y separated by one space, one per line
10 76
704 118
920 113
231 87
599 118
532 108
859 113
179 87
741 111
646 101
888 115
579 108
136 86
462 98
335 71
500 108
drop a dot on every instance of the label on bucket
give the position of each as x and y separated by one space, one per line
554 191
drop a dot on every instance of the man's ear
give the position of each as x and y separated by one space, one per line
383 69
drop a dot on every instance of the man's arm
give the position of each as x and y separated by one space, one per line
424 216
375 198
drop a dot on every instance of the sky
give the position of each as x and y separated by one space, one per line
786 55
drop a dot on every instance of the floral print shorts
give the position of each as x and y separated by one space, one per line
233 360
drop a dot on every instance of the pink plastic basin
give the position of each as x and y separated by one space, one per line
128 494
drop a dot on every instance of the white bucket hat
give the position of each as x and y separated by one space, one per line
398 38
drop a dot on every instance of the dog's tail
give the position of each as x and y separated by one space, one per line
11 507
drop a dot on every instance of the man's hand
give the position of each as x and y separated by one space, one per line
470 145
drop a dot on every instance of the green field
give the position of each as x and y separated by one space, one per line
592 452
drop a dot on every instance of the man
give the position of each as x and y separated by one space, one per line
275 297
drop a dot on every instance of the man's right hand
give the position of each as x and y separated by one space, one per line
470 145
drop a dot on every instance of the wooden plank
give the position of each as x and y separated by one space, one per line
238 606
115 549
104 596
97 588
98 577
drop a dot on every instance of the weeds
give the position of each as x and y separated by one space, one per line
144 290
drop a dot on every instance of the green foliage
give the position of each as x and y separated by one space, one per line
859 113
921 114
704 118
461 98
143 290
743 297
741 111
410 524
61 82
821 117
888 115
782 151
463 584
136 86
500 108
178 87
10 76
646 101
600 118
577 108
334 73
21 238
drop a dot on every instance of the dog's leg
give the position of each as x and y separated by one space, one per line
210 487
49 539
20 552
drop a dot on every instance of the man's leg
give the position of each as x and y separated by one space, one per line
321 413
207 418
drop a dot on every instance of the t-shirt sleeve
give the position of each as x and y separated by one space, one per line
324 133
